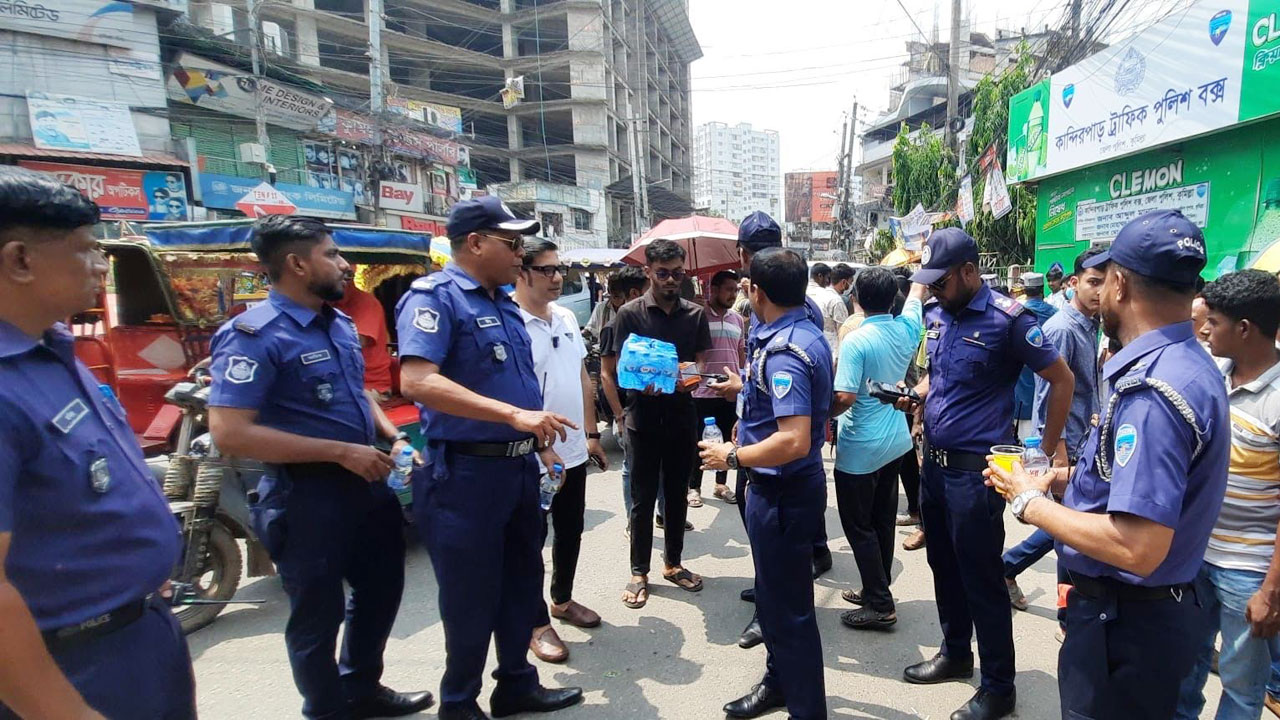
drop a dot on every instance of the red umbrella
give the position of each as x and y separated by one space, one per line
710 244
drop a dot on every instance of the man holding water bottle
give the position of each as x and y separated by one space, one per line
288 390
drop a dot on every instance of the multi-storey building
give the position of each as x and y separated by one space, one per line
736 170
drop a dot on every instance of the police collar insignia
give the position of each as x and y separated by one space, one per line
240 369
782 383
426 319
100 475
1003 302
1126 443
1035 336
70 416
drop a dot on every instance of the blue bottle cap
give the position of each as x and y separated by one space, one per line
557 467
1032 442
708 421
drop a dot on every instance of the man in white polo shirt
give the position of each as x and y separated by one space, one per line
558 355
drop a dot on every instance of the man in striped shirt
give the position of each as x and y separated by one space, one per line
1239 583
728 350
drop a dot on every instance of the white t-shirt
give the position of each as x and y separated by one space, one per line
558 352
834 312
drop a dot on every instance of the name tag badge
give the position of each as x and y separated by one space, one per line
500 353
312 358
70 416
100 475
933 334
972 341
488 322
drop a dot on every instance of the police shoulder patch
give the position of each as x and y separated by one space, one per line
1126 443
241 369
426 319
1035 336
781 383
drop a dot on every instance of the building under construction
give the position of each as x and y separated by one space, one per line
606 103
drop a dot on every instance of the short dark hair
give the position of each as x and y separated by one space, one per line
1158 287
663 250
1055 274
535 246
818 270
842 272
627 279
724 276
1252 295
38 200
780 275
275 236
1085 256
877 288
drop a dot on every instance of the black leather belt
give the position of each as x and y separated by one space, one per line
502 450
95 627
971 462
1098 588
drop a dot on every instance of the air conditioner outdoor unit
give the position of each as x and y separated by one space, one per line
253 153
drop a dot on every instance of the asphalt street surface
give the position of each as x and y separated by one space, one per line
677 658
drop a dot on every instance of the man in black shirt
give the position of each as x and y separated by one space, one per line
661 429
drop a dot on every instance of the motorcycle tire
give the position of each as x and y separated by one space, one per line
220 581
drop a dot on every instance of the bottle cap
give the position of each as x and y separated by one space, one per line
557 467
1032 442
708 421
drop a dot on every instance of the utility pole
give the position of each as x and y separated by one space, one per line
841 165
846 207
1075 22
377 95
637 210
953 73
255 55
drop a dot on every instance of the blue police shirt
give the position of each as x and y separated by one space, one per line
301 370
479 342
974 361
791 384
1025 391
91 529
1155 471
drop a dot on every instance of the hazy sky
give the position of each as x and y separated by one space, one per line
795 65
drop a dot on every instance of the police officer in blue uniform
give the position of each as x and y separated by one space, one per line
466 359
787 392
288 390
977 341
1141 502
86 537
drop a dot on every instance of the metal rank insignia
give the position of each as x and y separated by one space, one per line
100 475
500 352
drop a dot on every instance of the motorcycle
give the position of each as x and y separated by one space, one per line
210 495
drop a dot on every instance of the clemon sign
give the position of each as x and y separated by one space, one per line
1127 184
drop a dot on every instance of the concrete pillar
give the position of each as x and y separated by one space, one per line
306 40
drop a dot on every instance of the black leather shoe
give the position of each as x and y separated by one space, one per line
985 705
385 702
821 565
752 635
471 711
759 701
938 669
748 595
541 700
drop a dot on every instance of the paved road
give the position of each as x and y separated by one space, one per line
676 658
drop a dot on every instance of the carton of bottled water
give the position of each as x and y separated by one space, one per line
646 362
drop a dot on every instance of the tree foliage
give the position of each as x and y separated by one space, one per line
882 244
924 170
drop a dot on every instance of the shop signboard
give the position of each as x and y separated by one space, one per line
96 22
63 122
406 197
223 192
124 194
207 84
442 117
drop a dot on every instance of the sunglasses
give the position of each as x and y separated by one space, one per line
665 275
549 271
515 244
941 283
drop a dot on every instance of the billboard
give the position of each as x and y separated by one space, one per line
88 21
224 191
63 122
207 84
124 194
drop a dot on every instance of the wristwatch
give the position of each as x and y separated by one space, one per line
593 436
401 436
732 459
1024 498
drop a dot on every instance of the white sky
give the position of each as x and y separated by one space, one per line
795 65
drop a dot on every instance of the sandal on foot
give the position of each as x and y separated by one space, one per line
684 580
723 493
852 596
635 589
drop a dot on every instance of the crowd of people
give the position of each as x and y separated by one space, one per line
1161 425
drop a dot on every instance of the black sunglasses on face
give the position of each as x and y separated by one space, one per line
549 271
665 275
941 283
515 244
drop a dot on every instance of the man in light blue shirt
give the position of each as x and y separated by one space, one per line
873 438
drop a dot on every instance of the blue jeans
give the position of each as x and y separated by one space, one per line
1024 555
1273 685
1245 662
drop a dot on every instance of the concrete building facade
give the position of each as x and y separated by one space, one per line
736 170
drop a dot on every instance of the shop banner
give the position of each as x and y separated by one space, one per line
964 200
351 127
443 117
196 81
435 227
400 196
224 191
62 122
88 21
124 194
421 145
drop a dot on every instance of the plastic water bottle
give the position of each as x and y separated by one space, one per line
551 483
399 477
1034 461
711 432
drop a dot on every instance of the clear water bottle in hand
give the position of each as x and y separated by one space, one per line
1034 461
711 432
399 477
550 485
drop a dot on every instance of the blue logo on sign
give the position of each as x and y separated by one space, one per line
1218 26
1201 189
1068 94
1126 443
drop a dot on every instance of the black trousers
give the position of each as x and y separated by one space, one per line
566 514
868 505
661 457
909 471
726 414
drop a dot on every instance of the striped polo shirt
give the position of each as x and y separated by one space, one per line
726 343
1244 536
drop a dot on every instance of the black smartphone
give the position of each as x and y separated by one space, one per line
890 394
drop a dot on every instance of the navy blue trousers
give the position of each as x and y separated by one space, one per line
783 517
323 526
139 672
964 521
482 525
1125 659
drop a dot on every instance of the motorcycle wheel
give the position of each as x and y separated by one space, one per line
220 580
